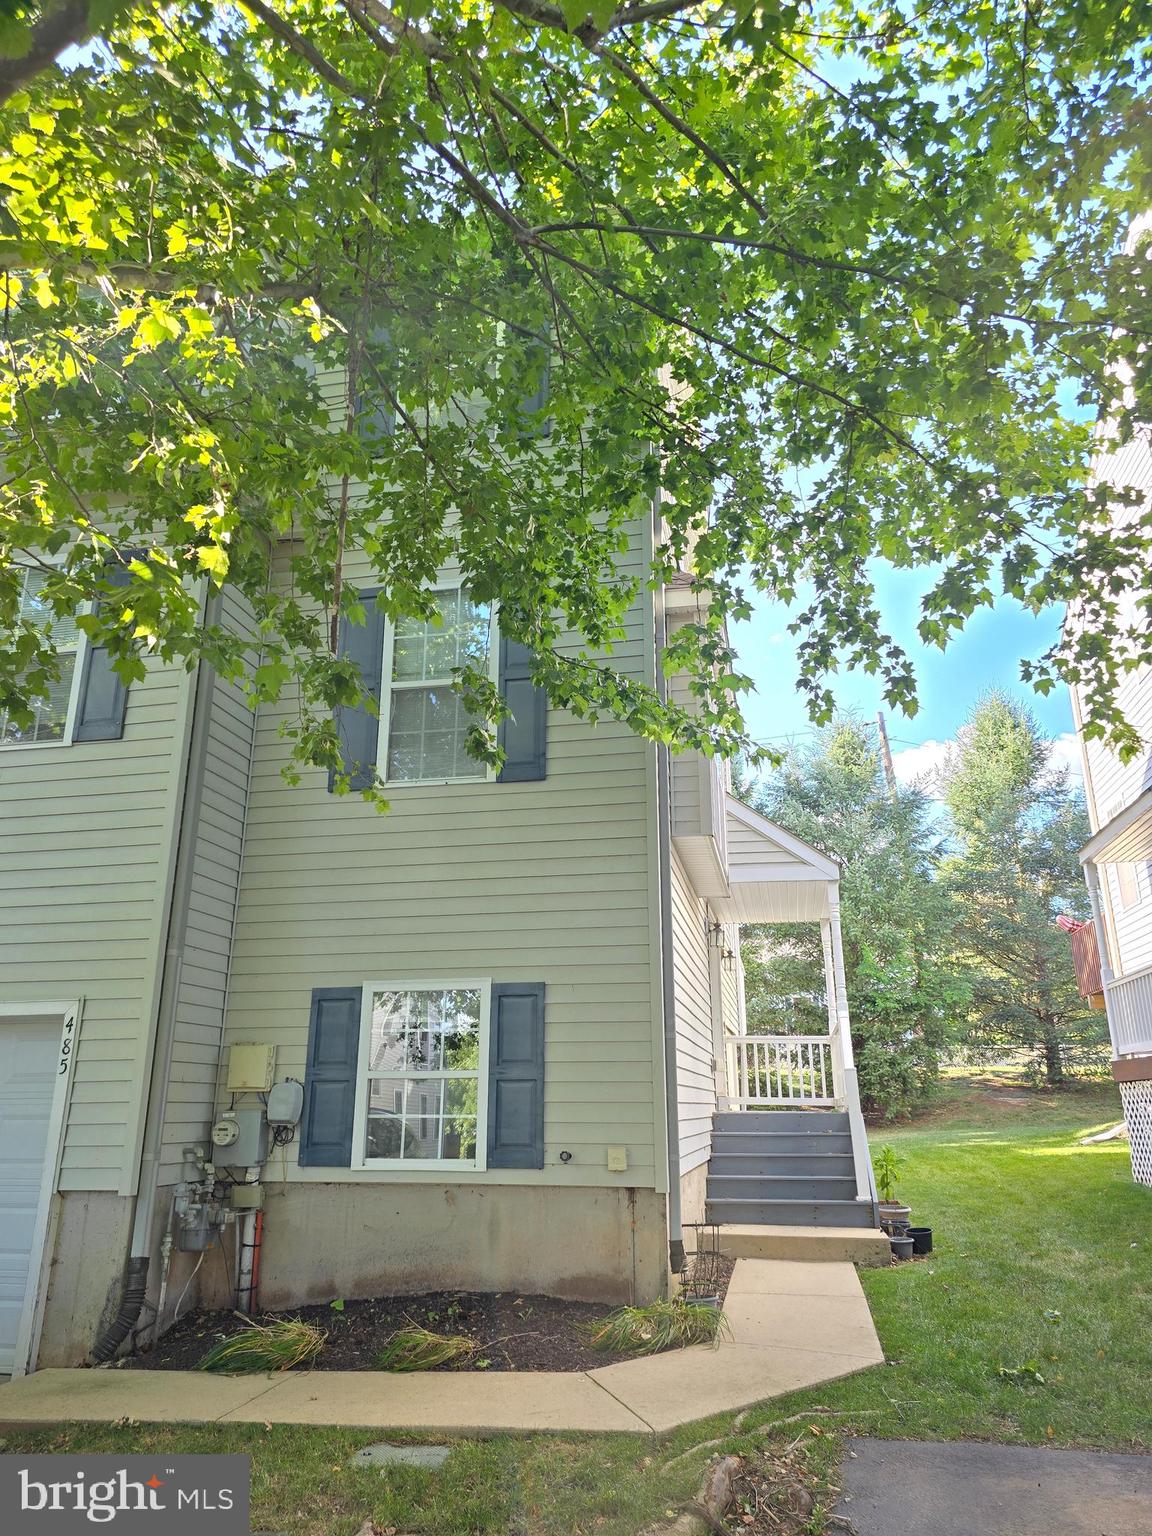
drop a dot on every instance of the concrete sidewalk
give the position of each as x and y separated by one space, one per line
793 1324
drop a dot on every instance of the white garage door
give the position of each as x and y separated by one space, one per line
28 1059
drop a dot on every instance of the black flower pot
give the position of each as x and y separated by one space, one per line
901 1247
921 1239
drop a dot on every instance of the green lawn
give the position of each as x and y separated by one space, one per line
1043 1261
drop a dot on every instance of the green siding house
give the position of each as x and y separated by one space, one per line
493 1039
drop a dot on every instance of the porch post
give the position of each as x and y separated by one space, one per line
1092 880
862 1162
840 984
833 1016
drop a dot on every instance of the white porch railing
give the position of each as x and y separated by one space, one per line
781 1069
1129 1001
798 1071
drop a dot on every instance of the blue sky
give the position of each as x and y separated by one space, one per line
986 654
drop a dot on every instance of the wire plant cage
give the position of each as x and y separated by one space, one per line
701 1279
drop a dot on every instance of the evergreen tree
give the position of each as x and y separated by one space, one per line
896 920
1017 827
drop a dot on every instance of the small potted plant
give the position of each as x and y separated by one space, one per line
894 1214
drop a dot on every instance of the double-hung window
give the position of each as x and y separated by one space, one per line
53 711
423 722
423 1049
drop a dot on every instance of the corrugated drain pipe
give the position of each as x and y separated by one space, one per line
193 747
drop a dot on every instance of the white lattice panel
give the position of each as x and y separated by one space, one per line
1137 1100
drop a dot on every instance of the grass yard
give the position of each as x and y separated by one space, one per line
1042 1271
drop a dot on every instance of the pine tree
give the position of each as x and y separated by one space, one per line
902 994
1017 826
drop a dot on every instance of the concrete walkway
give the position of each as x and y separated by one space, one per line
900 1487
793 1324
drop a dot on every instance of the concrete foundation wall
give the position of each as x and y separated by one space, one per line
89 1242
693 1188
323 1241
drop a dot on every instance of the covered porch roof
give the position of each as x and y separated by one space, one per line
773 876
1126 838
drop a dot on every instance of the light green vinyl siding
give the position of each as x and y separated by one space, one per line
748 848
85 842
216 844
695 1080
543 881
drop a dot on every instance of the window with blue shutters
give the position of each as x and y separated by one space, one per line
421 1075
416 730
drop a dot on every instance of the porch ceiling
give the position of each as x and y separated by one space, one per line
1126 839
773 877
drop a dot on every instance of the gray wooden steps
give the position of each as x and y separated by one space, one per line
784 1168
790 1213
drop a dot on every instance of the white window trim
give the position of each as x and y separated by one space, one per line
444 584
479 1163
82 645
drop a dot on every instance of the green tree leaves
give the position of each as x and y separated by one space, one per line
903 993
830 281
1018 829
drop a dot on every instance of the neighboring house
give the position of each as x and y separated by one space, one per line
1118 859
514 1002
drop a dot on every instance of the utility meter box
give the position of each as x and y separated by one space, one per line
240 1137
250 1068
286 1103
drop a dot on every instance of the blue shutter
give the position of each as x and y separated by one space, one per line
358 729
330 1078
516 1076
536 403
103 698
375 421
524 734
375 418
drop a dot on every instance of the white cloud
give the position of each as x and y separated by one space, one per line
922 765
1064 752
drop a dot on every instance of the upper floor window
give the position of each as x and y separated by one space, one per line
424 724
52 712
420 1074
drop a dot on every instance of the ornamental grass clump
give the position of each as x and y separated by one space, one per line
274 1346
649 1330
419 1349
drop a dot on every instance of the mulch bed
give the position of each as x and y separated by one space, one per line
512 1332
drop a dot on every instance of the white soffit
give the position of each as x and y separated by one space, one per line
1126 839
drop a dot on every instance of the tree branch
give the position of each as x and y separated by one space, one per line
63 26
685 130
